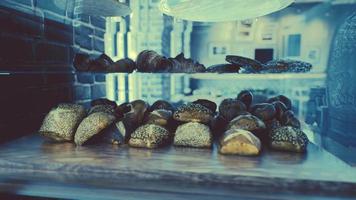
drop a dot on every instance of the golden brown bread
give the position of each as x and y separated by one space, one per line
149 136
193 113
102 108
239 142
91 125
62 121
246 122
206 103
193 134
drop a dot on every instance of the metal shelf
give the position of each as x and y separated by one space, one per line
286 76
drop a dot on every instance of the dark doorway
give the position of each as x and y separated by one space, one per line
263 55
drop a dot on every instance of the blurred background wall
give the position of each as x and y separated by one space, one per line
302 31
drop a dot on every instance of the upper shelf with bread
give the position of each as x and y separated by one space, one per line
149 61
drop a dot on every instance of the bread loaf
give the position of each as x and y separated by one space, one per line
250 123
246 97
123 65
193 113
162 104
223 68
264 111
159 117
149 136
92 125
239 142
280 108
206 103
248 64
287 138
246 122
287 102
102 108
289 119
230 108
193 134
61 123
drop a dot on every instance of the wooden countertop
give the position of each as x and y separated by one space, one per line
31 160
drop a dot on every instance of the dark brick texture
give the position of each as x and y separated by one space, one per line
38 40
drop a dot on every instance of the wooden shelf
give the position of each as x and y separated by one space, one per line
32 161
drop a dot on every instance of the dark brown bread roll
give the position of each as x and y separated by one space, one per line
136 115
272 124
193 134
280 109
193 113
122 109
239 142
264 111
115 134
247 122
123 65
250 123
289 119
287 102
258 98
218 125
102 108
92 125
151 61
61 123
223 68
103 101
100 64
106 58
159 117
175 66
180 64
230 108
247 64
206 103
162 64
149 136
162 104
287 138
246 97
144 61
134 118
81 62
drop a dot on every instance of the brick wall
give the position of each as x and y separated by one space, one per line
38 40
